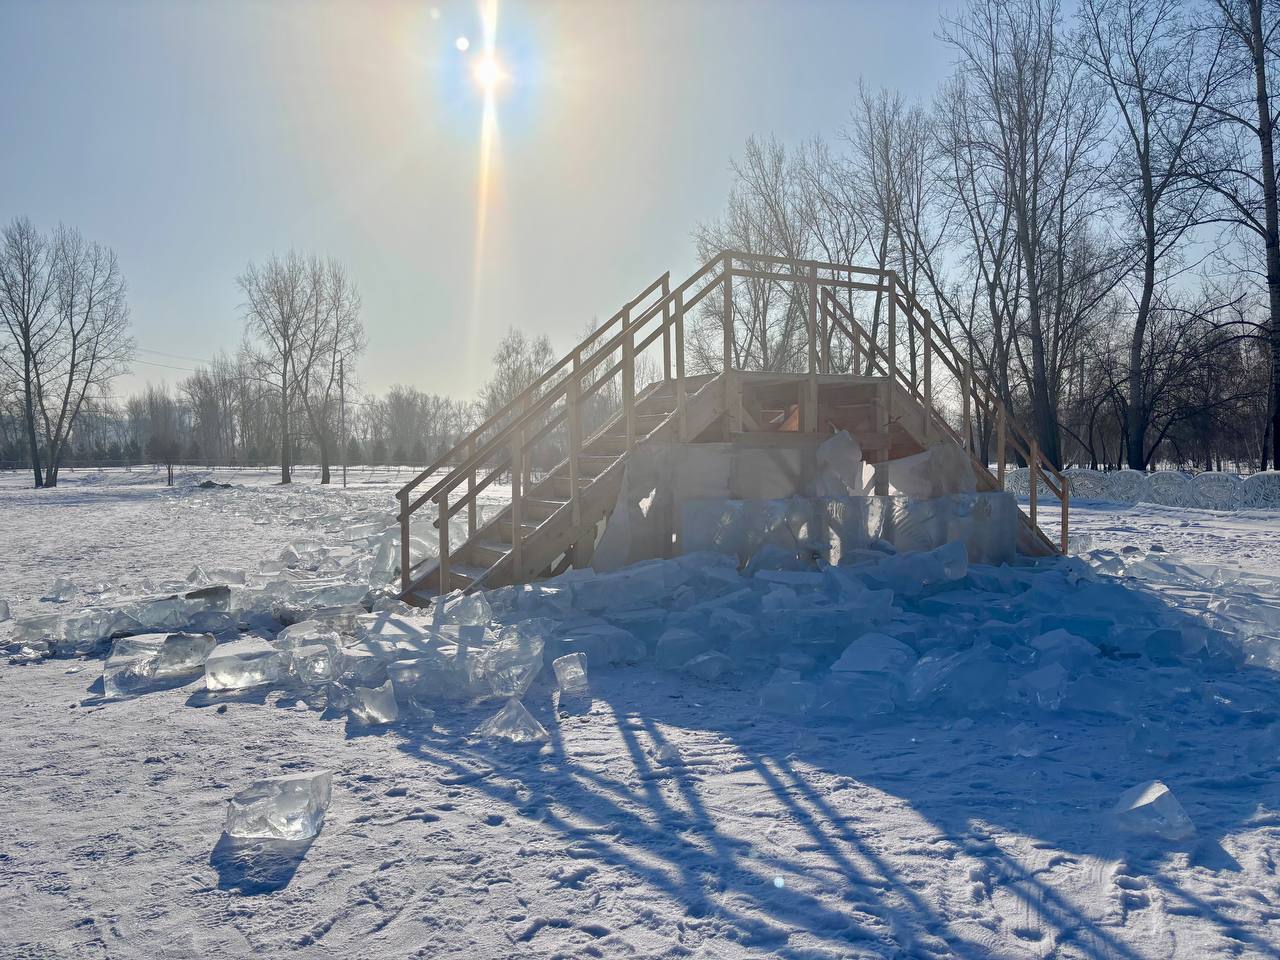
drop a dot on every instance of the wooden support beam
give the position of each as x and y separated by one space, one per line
666 328
1033 476
575 448
471 491
892 352
928 380
517 468
811 325
681 400
443 560
1000 451
731 398
629 383
405 579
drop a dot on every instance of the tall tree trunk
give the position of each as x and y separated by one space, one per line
284 428
323 442
30 412
1265 142
1136 426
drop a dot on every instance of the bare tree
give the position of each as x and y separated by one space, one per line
28 307
62 300
330 333
277 300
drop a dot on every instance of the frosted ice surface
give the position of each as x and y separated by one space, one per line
1151 809
62 589
678 646
1150 738
373 705
314 663
308 633
602 643
513 723
1024 741
457 607
1098 695
938 471
571 673
4 609
710 665
839 467
787 693
281 808
1046 686
875 653
1060 646
45 628
857 696
242 664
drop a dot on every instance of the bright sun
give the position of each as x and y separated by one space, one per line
488 73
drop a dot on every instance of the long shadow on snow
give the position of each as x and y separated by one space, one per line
255 867
965 786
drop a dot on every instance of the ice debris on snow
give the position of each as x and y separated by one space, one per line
571 674
241 664
374 706
136 663
1151 809
515 724
281 808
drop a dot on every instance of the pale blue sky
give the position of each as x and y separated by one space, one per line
195 137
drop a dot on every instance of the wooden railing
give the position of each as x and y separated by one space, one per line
504 443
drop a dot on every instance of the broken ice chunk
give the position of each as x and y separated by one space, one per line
840 467
135 662
1024 741
4 609
513 723
709 666
281 808
787 693
1151 809
1150 738
1046 686
938 471
875 653
373 705
571 674
62 589
241 664
678 646
46 628
314 663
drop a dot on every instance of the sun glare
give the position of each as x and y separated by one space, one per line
488 73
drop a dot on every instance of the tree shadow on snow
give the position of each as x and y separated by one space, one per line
964 791
256 867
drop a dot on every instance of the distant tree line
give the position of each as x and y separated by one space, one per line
1087 206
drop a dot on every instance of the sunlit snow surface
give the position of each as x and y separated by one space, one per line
921 834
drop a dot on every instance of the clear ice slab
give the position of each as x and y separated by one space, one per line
1151 809
515 724
281 808
242 664
571 674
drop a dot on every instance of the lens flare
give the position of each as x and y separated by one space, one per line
489 74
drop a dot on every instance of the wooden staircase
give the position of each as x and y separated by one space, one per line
853 380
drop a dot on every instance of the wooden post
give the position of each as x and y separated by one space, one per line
1033 467
404 542
629 379
681 400
811 405
928 378
442 504
574 413
966 386
526 462
517 468
1066 497
666 329
1000 434
893 340
730 386
471 492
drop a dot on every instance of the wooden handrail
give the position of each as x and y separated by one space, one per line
569 358
543 403
509 436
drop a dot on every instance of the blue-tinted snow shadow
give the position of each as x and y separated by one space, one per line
255 867
973 799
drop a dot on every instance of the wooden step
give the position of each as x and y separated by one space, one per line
537 508
501 532
593 466
462 575
486 554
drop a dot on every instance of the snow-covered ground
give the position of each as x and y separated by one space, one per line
925 833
